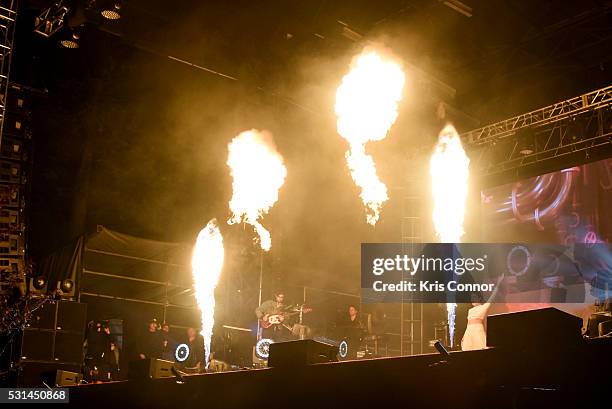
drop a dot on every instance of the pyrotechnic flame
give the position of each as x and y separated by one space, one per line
206 265
366 106
449 170
258 172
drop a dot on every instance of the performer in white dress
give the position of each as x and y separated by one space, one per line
475 336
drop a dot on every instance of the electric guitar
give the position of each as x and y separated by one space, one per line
278 318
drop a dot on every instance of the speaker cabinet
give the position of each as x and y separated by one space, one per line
55 334
150 369
68 347
71 316
300 353
546 327
44 315
37 345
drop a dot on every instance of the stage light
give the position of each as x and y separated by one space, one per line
181 353
441 349
343 349
111 10
39 282
526 141
71 41
262 348
66 285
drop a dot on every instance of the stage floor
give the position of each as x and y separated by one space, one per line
556 377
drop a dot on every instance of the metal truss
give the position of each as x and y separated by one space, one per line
564 134
560 111
51 20
8 17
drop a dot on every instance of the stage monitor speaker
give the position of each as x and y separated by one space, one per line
300 353
541 328
150 369
66 378
33 374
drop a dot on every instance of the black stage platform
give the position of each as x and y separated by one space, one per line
574 376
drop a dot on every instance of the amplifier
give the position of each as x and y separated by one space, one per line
300 353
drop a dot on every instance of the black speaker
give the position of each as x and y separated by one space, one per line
300 353
542 328
55 334
68 347
43 316
71 316
37 345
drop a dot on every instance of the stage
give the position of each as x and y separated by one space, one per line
556 377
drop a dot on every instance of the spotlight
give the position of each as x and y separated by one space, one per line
343 349
441 349
181 353
111 10
39 282
71 41
262 348
66 285
526 141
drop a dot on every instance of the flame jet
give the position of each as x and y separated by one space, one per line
258 173
206 266
449 170
366 106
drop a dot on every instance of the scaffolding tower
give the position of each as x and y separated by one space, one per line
8 20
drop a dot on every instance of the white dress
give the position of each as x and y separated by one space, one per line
475 336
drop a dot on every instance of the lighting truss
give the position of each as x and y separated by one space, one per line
574 130
8 17
51 20
539 117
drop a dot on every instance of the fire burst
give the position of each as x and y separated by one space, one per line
366 106
449 169
258 172
206 265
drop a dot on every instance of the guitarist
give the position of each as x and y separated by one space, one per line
276 332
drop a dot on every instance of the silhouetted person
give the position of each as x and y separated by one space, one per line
151 344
